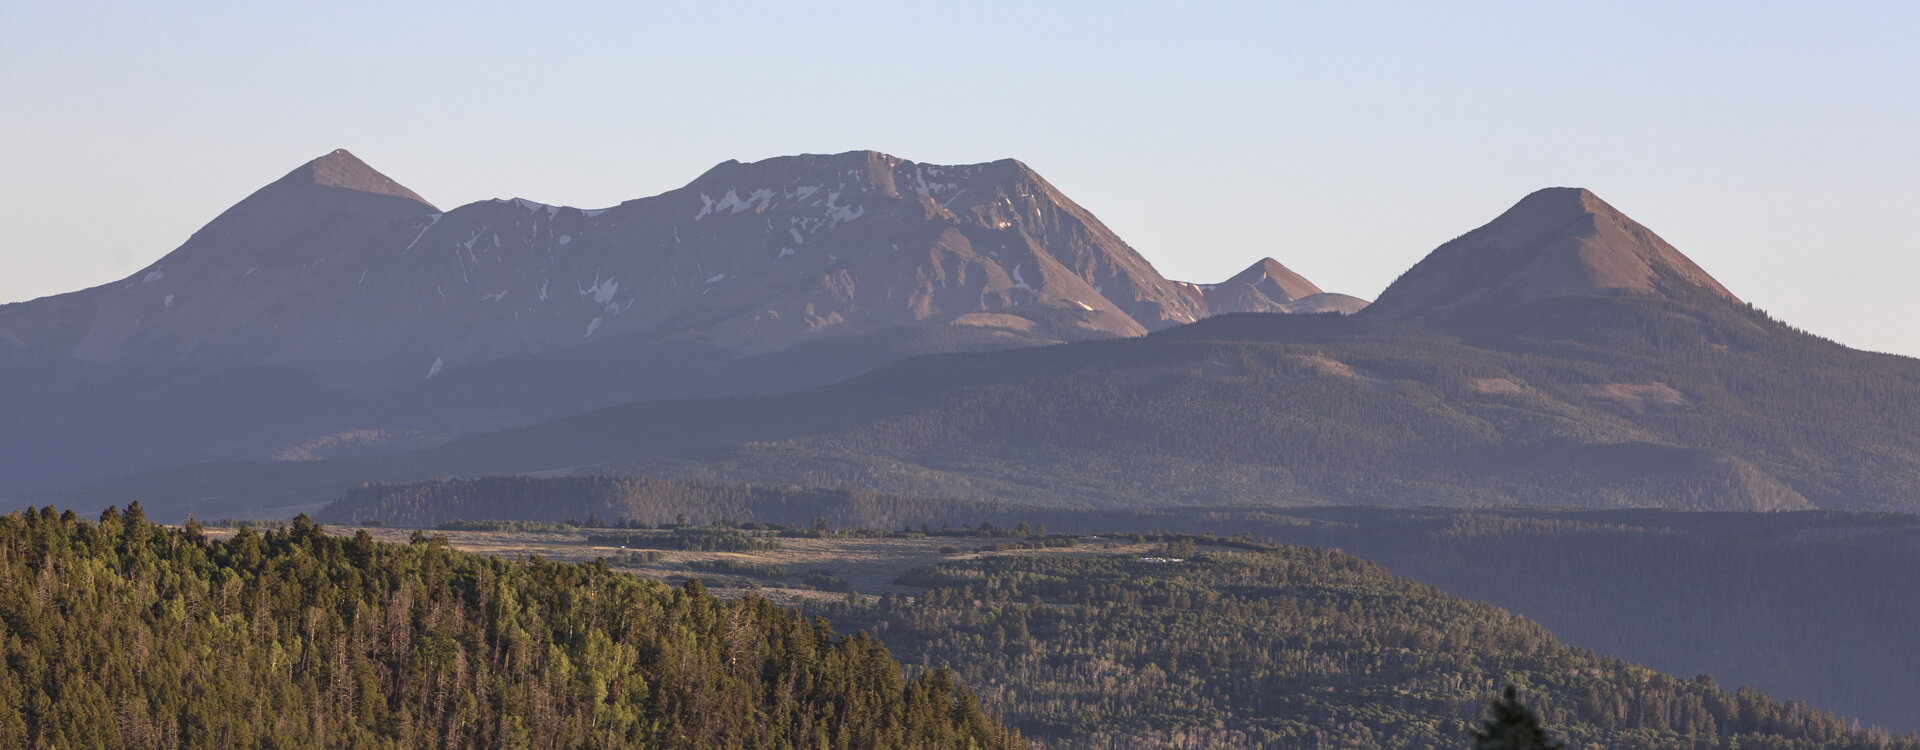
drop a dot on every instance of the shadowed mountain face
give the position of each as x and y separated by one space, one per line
335 311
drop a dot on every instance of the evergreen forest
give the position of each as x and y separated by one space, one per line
124 634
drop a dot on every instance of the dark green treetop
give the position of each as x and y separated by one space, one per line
1512 727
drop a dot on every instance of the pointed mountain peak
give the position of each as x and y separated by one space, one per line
1555 243
1269 287
1278 282
1548 208
341 169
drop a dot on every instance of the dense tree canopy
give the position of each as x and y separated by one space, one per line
1513 726
122 633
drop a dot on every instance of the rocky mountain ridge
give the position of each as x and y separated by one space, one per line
339 270
335 304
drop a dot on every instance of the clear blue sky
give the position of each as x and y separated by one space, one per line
1775 143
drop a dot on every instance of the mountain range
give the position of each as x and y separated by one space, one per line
1561 355
335 312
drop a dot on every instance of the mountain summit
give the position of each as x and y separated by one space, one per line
1556 243
344 170
1268 287
1275 281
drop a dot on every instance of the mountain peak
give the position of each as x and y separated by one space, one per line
1024 240
1269 287
1563 198
1557 242
341 169
1278 282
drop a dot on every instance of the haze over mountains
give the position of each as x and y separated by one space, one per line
334 311
1560 355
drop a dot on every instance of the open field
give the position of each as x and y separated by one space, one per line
869 566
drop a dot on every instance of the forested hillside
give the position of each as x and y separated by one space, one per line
122 633
1252 647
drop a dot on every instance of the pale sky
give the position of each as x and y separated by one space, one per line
1774 143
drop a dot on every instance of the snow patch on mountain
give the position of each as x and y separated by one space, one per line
602 291
432 219
1018 281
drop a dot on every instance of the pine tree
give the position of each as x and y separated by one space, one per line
1513 727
